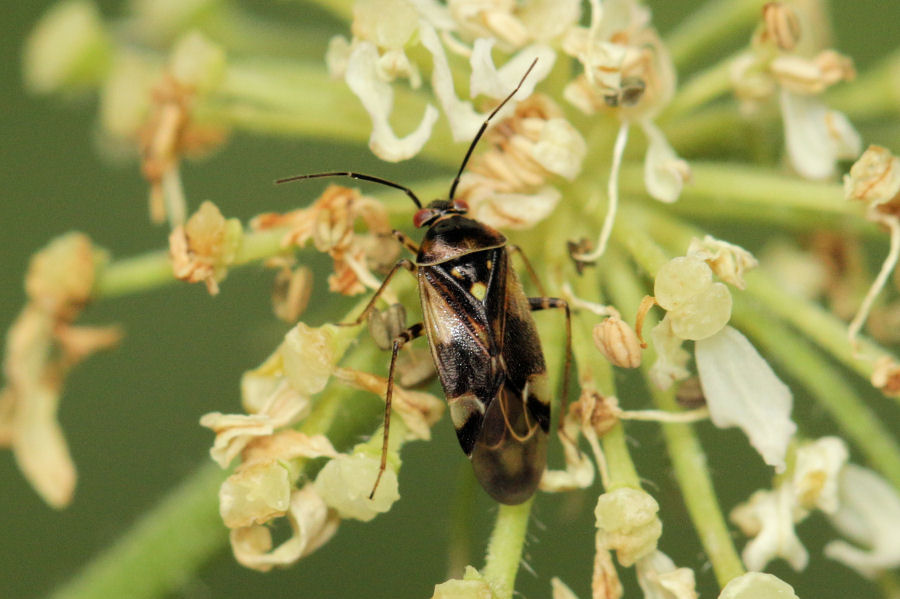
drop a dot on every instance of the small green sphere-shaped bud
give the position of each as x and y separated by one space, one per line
346 482
679 280
703 315
68 49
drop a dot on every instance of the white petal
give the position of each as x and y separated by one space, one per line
847 141
869 515
660 579
664 172
768 517
741 390
497 83
516 210
377 98
817 468
815 136
464 120
560 149
346 481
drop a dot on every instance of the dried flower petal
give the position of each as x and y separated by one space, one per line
202 249
728 261
741 390
869 515
312 523
875 180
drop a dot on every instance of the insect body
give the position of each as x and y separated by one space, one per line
482 337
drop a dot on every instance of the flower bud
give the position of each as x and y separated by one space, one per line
618 342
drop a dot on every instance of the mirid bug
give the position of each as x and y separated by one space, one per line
483 340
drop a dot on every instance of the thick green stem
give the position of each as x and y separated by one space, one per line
705 29
163 549
685 452
849 412
701 88
504 551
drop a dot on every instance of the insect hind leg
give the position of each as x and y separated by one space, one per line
413 332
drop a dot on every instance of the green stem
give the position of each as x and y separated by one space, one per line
705 29
163 549
876 93
504 551
720 183
302 99
798 358
154 269
701 88
685 452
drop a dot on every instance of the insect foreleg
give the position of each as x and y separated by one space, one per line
545 303
407 264
406 242
400 340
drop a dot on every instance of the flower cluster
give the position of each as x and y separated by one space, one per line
574 79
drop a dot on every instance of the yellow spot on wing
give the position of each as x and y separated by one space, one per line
478 290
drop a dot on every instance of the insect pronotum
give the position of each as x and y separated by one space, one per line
482 337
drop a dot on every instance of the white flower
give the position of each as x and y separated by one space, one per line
817 466
627 521
346 482
768 517
664 172
742 390
496 83
869 515
757 585
660 579
377 97
312 524
815 136
727 261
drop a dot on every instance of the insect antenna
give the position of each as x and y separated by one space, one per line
361 177
484 127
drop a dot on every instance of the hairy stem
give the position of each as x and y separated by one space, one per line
505 548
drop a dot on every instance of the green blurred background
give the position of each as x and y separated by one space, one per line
130 415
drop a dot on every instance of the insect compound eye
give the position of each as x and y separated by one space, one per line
460 206
423 216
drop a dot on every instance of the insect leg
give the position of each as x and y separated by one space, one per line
400 340
531 273
545 303
408 265
405 241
